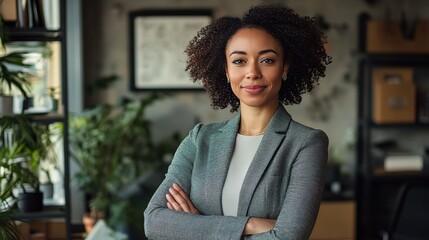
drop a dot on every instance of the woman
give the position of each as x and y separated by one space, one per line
260 174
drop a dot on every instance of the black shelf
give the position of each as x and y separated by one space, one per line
48 118
377 189
47 213
33 34
14 34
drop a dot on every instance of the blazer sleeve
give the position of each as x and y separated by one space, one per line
163 223
301 205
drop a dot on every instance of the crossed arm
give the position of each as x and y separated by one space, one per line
177 200
172 215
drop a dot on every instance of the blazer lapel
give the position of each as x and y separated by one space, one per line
222 146
273 137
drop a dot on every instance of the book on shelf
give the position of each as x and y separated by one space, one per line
38 16
51 13
403 161
26 13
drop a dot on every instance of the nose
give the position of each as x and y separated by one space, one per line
253 71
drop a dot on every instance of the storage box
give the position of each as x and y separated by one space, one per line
386 37
52 229
56 229
24 230
394 95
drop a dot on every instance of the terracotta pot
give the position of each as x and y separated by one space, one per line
89 221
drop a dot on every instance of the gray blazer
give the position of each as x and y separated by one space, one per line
284 182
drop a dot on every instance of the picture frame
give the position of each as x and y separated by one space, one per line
158 39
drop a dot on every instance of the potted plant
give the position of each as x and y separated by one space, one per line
113 148
49 159
53 92
12 74
29 142
12 78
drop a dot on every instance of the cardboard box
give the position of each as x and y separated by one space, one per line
24 230
394 95
52 229
56 229
386 37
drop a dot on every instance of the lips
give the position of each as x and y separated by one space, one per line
253 89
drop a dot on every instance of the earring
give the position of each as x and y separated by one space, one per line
284 78
227 79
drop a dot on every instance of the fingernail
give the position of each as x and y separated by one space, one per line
175 185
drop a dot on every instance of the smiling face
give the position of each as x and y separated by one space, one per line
255 67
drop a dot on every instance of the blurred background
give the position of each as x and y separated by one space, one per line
102 47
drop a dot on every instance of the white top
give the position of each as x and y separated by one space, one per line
244 151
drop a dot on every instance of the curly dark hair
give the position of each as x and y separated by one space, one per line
301 40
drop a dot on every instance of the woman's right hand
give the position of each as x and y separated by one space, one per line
258 225
178 200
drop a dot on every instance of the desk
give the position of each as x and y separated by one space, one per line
336 220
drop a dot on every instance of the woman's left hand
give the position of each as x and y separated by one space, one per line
178 200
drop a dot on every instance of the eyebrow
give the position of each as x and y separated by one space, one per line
260 52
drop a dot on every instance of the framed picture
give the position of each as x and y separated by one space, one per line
158 39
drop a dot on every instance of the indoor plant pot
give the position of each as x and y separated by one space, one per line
30 201
47 189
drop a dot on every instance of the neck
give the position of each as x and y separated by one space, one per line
254 121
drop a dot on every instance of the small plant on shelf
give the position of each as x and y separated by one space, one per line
25 145
13 74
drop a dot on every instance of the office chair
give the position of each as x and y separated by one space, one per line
411 217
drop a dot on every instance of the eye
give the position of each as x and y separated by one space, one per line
267 60
238 61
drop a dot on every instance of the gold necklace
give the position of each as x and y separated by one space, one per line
260 133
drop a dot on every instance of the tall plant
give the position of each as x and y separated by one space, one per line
28 142
113 148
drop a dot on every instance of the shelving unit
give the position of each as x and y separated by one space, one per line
43 35
377 189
